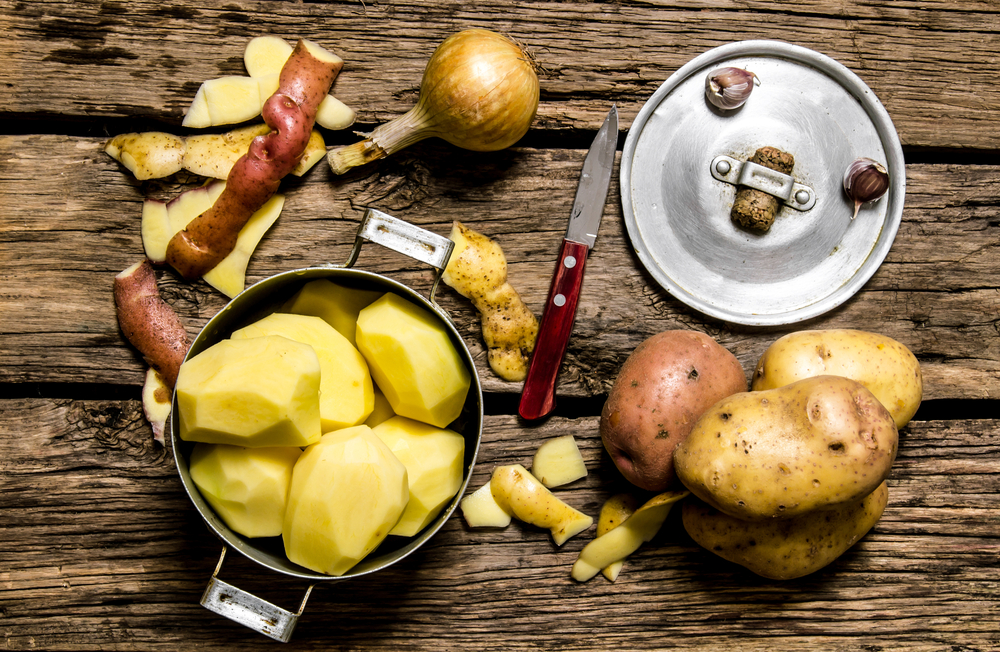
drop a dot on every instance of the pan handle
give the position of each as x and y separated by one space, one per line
249 610
405 238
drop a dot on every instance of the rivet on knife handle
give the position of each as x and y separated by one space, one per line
538 396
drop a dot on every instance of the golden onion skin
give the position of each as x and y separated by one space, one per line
479 92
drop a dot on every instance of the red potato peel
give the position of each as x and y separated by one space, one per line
304 82
148 322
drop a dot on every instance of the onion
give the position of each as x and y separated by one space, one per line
479 92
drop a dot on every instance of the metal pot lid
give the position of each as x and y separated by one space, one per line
677 212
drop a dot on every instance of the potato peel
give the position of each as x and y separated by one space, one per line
615 511
148 323
518 492
478 271
620 542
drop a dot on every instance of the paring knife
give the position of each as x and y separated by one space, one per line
538 396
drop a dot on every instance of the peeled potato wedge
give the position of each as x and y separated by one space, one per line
558 462
481 510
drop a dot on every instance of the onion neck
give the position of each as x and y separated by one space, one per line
409 128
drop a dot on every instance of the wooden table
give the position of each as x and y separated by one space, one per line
100 547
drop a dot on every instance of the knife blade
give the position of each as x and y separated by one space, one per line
538 394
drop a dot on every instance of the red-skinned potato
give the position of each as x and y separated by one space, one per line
663 387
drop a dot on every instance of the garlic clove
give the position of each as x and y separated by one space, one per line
728 88
865 180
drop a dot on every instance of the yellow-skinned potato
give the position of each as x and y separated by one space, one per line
779 453
519 493
887 368
789 548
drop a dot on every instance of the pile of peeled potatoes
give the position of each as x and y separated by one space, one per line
786 477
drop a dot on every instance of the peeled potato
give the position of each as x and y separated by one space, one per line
247 487
413 360
558 462
347 492
434 460
346 396
257 392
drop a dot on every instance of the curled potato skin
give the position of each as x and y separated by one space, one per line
148 323
784 549
886 367
478 271
517 492
780 453
303 83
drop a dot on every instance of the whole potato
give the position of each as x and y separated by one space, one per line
887 368
788 548
778 453
660 391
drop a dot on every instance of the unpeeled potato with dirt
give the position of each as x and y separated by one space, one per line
664 386
787 548
883 365
779 453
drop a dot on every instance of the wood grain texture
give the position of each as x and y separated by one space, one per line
100 547
928 62
76 226
75 574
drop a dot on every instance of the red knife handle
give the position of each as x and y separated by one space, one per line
538 397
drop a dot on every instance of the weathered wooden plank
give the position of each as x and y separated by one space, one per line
101 548
927 62
73 225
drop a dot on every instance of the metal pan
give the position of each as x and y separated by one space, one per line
676 203
264 298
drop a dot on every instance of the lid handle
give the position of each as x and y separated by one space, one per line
747 173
